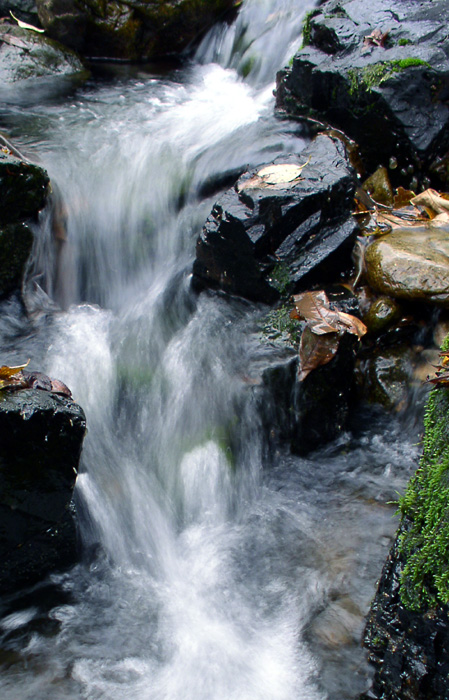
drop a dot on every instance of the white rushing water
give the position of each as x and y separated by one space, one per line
210 580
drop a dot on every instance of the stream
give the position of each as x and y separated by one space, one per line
211 571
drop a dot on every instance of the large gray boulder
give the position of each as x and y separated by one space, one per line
25 55
133 30
388 92
42 435
270 235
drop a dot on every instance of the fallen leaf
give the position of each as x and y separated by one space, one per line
24 25
7 372
314 308
402 198
433 203
286 174
376 38
315 351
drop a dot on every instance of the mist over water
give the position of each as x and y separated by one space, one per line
208 577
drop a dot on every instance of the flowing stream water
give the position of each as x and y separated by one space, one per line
207 575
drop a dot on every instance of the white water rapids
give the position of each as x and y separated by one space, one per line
206 577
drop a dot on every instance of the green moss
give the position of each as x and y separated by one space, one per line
425 505
280 278
404 42
278 326
374 75
307 27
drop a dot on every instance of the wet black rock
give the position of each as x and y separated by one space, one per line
23 193
312 412
135 30
270 235
42 436
410 650
391 97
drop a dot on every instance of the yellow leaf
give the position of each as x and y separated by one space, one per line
24 25
6 372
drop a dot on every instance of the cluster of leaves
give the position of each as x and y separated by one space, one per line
424 543
408 210
15 378
324 328
441 377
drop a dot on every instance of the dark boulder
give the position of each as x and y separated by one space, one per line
133 30
409 650
42 436
380 73
312 412
23 193
275 233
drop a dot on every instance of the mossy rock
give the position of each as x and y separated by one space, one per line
425 507
27 55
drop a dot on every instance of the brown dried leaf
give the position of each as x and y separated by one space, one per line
58 387
433 203
315 351
402 198
376 38
314 308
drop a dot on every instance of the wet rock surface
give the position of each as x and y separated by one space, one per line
27 55
23 193
410 650
42 436
411 264
262 239
129 30
390 96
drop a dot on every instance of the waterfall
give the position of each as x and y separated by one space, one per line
206 573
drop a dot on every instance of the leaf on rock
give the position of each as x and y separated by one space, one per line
402 198
7 372
285 174
314 308
435 205
25 25
376 38
315 351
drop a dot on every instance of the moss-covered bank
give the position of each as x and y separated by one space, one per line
425 543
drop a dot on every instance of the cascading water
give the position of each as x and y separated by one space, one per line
211 580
